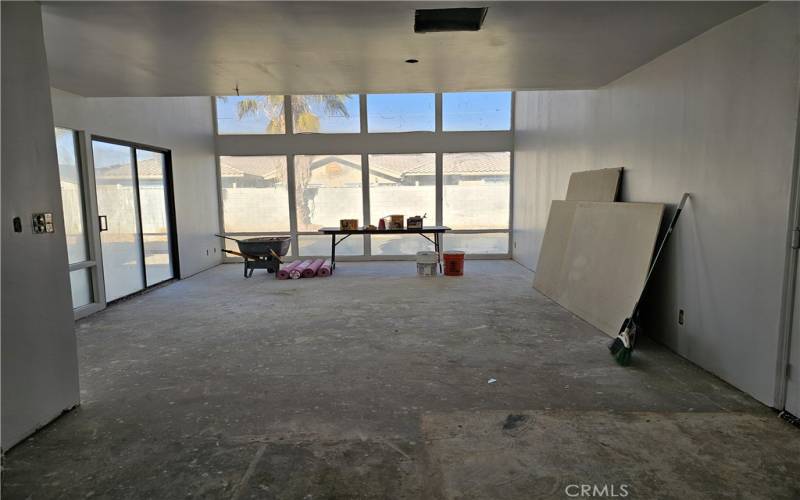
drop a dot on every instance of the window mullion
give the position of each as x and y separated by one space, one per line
287 115
439 189
439 168
365 200
438 111
362 111
290 181
290 177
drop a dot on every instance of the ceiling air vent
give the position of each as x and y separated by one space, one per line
463 19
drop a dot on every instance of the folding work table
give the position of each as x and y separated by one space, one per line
436 231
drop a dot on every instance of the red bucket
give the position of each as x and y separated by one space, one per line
454 263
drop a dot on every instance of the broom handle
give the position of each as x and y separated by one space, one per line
670 228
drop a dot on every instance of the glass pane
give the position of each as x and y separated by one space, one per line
477 243
255 193
402 184
116 200
81 284
320 245
401 112
71 195
252 114
327 114
328 189
155 225
476 190
465 111
399 244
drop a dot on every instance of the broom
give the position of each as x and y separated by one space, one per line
622 346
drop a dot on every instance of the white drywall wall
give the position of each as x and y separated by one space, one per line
716 117
181 124
39 354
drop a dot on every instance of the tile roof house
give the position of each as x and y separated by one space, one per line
242 171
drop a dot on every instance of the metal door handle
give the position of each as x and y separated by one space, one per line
103 223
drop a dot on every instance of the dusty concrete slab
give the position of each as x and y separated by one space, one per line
182 387
562 454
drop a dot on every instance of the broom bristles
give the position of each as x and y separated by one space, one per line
622 346
615 345
623 357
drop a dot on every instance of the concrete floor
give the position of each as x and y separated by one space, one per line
373 384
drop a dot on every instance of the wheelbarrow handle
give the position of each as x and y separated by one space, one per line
227 237
275 256
246 256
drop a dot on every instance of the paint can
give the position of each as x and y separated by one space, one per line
427 263
454 263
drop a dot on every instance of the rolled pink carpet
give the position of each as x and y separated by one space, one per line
297 272
324 269
283 273
312 268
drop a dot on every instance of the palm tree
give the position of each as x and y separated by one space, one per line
304 120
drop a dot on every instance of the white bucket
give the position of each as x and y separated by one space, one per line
427 263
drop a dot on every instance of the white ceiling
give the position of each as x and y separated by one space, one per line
206 48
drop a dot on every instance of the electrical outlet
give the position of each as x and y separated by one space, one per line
43 223
680 317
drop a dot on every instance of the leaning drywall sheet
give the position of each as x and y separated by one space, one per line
594 185
606 260
554 243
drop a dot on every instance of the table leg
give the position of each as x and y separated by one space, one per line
438 252
333 252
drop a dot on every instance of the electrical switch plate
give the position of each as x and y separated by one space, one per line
43 223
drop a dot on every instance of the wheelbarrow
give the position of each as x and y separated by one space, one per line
260 253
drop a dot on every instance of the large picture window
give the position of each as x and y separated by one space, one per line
401 113
296 178
326 114
314 245
477 243
476 190
476 111
327 189
402 184
254 114
255 193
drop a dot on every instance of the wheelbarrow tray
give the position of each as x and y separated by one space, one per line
261 247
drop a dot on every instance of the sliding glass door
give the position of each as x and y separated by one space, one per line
120 236
153 202
132 205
